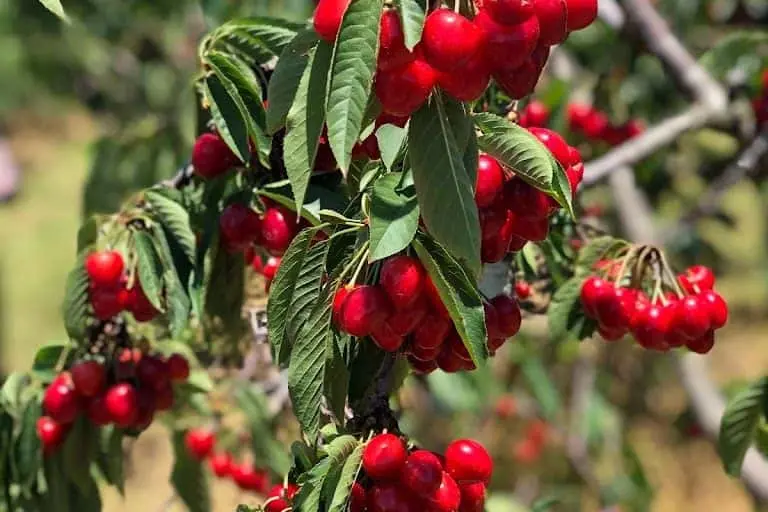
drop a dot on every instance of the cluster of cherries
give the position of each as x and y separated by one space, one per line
596 126
760 103
241 227
405 311
512 212
127 394
108 288
396 480
508 40
200 444
669 321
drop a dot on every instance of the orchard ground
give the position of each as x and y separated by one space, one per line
37 251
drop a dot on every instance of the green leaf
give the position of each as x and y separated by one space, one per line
226 115
351 78
265 446
390 139
336 379
59 491
225 293
47 357
309 496
561 189
412 14
257 35
28 454
293 291
739 425
188 478
78 451
76 302
56 8
178 303
394 216
565 310
545 504
516 148
305 121
175 219
150 269
458 292
364 368
597 249
542 387
110 456
461 124
347 478
732 50
88 234
284 82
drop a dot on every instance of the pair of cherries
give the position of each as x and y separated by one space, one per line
108 288
596 126
242 227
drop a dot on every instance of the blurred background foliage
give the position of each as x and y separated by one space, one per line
104 106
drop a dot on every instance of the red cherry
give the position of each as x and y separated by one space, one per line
577 115
717 307
467 83
278 227
609 334
424 354
97 412
447 498
467 461
384 457
199 443
50 433
491 321
472 497
402 278
422 473
553 16
392 50
152 372
522 289
490 180
270 269
455 343
527 452
703 344
520 82
422 367
691 318
386 338
650 326
178 368
138 304
507 47
327 18
537 113
595 125
211 157
697 278
240 226
364 310
525 201
390 498
509 12
403 90
104 268
592 292
146 409
277 500
249 478
164 398
432 331
61 402
450 41
221 464
405 322
434 298
508 314
106 302
357 498
448 361
494 248
581 13
122 403
338 302
614 308
88 378
554 143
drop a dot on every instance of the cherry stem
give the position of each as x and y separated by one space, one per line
668 271
624 264
457 6
353 262
363 259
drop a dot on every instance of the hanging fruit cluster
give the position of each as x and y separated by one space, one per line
126 391
760 103
597 127
637 293
109 289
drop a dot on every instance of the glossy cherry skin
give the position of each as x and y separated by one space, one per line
467 461
392 50
88 378
703 344
152 372
327 18
489 182
221 464
450 40
432 331
554 143
122 403
553 18
422 473
434 298
50 433
178 368
522 289
697 278
614 309
357 498
537 114
592 291
509 12
390 497
61 401
472 497
384 457
650 326
240 226
96 411
279 498
199 443
526 201
211 157
691 317
507 46
338 302
447 498
278 227
520 82
386 338
403 90
364 309
581 13
508 314
104 268
402 278
405 322
718 308
270 268
467 83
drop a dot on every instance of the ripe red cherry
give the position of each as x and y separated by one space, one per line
447 498
392 50
448 361
520 82
509 12
490 180
146 409
650 326
434 298
270 269
525 201
50 433
88 378
221 464
276 502
553 16
357 498
491 321
581 13
178 368
199 443
507 46
522 289
422 367
609 334
450 40
384 457
164 398
61 402
592 291
611 311
432 331
554 143
97 411
697 278
106 302
467 461
249 478
537 113
338 302
240 226
152 372
278 227
386 338
405 322
595 125
718 308
691 318
327 18
422 473
390 498
508 314
703 344
403 90
122 403
467 83
364 309
104 268
472 497
402 278
211 157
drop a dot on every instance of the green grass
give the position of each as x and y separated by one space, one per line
37 247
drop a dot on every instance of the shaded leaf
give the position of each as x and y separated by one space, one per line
110 456
56 8
150 269
565 309
390 139
258 36
739 424
394 216
78 451
76 302
412 14
226 116
347 478
188 478
175 219
28 454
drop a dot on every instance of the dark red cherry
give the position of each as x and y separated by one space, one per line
403 90
449 361
386 338
357 498
581 13
507 47
391 497
88 378
278 227
327 18
364 309
609 334
422 473
553 18
472 497
432 331
509 12
405 322
211 157
525 201
450 40
422 367
490 180
508 315
492 328
402 278
535 230
520 82
239 226
392 50
467 83
434 298
447 498
384 457
703 344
